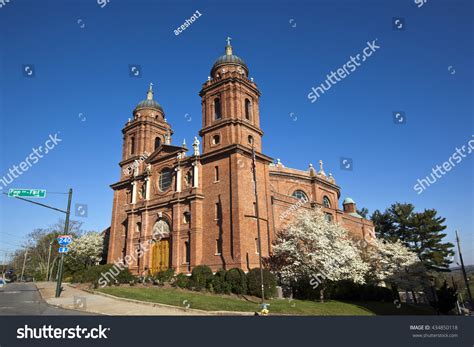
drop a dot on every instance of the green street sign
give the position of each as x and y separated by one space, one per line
27 193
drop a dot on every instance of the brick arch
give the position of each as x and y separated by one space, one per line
295 187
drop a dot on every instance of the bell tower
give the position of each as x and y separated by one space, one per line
230 105
230 129
145 133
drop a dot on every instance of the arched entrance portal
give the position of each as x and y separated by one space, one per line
161 250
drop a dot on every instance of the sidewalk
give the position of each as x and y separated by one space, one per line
76 299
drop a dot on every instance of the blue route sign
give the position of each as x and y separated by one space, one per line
63 249
64 240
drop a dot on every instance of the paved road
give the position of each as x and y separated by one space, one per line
24 299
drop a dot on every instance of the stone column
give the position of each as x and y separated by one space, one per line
134 192
195 174
147 190
178 179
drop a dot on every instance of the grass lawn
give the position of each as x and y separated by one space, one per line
213 302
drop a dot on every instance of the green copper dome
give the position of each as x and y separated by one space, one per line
229 59
348 201
149 102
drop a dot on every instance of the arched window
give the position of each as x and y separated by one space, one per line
326 202
157 142
216 139
250 139
132 145
164 180
248 109
299 194
217 108
161 230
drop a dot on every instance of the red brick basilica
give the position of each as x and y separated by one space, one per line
199 208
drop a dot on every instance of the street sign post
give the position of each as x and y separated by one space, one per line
27 193
67 240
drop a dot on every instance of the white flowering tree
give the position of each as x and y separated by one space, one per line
394 263
86 250
388 260
311 247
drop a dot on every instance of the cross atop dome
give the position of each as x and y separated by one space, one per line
228 47
149 94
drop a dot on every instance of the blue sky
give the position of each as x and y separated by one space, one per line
82 90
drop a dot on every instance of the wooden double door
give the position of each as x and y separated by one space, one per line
160 256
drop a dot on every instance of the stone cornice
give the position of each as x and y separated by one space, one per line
232 121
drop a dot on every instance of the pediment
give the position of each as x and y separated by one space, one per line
164 152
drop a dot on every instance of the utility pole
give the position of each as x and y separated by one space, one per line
463 269
24 263
66 230
254 169
49 259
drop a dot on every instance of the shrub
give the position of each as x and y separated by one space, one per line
347 290
447 298
164 276
201 277
94 273
181 281
125 276
237 280
254 283
219 283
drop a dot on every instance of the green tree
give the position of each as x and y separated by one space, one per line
384 227
421 232
38 244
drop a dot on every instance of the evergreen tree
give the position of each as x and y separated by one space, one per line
384 227
428 240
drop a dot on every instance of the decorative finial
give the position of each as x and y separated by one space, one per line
149 94
184 142
228 47
196 146
331 178
321 170
208 78
251 78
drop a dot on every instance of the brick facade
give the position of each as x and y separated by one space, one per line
202 204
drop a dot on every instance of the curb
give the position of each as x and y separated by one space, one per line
182 309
